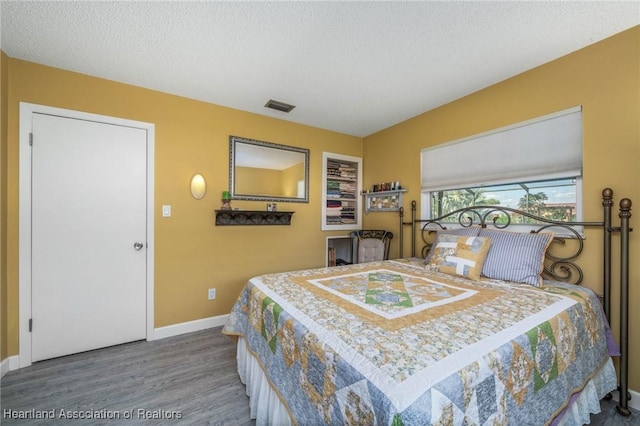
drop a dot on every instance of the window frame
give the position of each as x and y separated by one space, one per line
427 208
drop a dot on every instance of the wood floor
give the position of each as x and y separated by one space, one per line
192 376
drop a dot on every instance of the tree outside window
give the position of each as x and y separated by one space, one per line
555 200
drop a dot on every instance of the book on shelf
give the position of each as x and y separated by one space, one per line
331 253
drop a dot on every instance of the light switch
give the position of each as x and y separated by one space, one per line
166 211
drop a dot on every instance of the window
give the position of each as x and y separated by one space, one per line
552 199
534 166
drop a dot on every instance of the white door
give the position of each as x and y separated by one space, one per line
88 235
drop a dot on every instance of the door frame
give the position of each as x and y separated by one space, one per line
24 229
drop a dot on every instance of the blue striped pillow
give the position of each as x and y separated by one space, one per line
467 231
516 257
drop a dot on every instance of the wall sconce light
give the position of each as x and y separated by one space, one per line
198 186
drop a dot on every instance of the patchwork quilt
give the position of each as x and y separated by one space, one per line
389 343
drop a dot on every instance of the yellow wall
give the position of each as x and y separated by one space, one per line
256 181
4 62
191 254
269 182
605 79
290 179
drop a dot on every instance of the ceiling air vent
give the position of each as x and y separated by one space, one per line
279 106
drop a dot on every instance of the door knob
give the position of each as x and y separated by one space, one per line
138 245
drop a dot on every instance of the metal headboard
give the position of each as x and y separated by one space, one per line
558 267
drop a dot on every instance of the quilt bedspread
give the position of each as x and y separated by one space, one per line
389 343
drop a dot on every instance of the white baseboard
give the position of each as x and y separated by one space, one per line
189 327
635 398
8 364
13 362
4 367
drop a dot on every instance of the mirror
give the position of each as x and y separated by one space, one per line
268 171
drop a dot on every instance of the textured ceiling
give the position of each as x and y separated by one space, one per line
351 67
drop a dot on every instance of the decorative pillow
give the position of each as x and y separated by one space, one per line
458 255
470 231
516 257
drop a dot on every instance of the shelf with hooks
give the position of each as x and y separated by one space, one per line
252 217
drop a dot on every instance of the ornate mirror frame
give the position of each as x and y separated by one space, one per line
267 157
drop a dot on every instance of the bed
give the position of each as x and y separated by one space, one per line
426 342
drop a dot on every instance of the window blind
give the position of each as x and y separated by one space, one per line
547 147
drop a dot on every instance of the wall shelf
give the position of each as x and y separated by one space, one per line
383 201
339 247
341 186
252 217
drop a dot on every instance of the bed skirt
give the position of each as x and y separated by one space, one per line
267 409
588 401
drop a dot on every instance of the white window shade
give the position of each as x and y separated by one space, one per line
548 147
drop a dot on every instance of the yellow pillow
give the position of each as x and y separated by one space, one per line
458 255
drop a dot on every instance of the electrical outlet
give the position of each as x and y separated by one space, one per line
212 293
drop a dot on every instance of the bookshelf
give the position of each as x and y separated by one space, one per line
339 247
341 188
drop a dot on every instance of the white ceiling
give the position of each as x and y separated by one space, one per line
351 67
